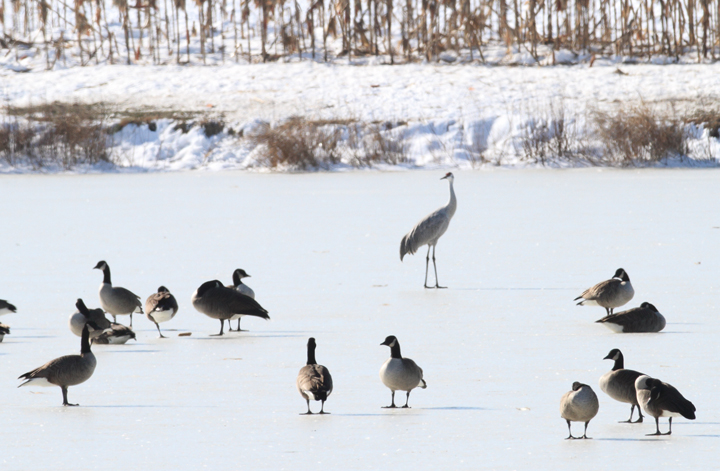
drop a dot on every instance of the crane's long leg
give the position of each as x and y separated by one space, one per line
437 283
427 265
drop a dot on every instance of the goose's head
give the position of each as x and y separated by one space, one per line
448 176
241 273
621 274
614 355
163 289
101 265
207 286
311 342
577 385
390 341
647 305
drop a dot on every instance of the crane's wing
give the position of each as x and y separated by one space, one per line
426 231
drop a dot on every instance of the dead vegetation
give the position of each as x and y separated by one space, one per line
162 33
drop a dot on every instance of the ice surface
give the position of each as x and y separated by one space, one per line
499 347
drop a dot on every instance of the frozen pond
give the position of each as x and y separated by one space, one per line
499 347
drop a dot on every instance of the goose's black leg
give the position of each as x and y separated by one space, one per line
657 428
585 432
569 437
309 412
131 320
437 283
406 406
669 429
114 318
391 406
65 401
427 265
630 420
239 329
640 419
158 328
322 408
222 324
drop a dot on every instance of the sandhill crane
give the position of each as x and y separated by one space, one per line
428 231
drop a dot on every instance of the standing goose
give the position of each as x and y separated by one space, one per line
609 294
219 302
619 384
237 277
400 374
6 307
161 307
428 231
314 381
662 400
579 405
68 370
117 301
645 318
4 330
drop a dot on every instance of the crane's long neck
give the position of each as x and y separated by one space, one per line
452 204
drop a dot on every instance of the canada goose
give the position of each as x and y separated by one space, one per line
6 307
609 294
4 330
78 320
219 302
579 405
161 307
429 230
117 301
314 381
237 277
645 318
619 384
400 374
68 370
662 400
116 334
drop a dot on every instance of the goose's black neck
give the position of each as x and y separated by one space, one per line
311 354
85 341
619 363
236 279
106 275
395 350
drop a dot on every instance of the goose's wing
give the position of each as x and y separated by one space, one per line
53 367
666 397
238 303
128 295
601 290
632 318
315 379
161 302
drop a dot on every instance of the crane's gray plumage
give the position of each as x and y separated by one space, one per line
579 405
429 230
645 318
220 302
161 307
314 381
400 374
66 371
237 277
619 383
6 307
4 330
660 399
115 300
609 294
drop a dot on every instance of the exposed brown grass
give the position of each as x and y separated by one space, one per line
640 134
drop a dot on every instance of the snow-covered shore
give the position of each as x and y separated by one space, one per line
447 116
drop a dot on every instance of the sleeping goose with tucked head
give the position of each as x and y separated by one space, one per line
660 399
314 381
579 405
241 287
645 318
115 300
4 330
219 302
609 294
66 371
161 307
619 383
106 332
400 374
